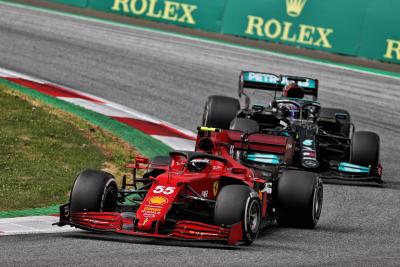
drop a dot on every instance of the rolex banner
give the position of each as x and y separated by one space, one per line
361 28
364 28
319 24
198 14
380 38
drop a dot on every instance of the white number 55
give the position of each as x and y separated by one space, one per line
165 190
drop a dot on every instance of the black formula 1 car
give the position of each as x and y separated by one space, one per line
322 140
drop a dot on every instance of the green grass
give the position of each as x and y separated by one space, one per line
42 149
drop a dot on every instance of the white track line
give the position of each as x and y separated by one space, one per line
31 225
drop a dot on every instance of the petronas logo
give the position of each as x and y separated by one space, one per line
294 7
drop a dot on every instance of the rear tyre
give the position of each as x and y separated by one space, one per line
300 197
93 191
239 203
365 149
219 111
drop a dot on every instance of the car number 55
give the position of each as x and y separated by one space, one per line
165 190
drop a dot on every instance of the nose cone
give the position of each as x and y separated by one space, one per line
156 205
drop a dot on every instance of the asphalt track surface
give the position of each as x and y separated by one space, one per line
170 77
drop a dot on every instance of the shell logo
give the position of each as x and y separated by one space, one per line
159 200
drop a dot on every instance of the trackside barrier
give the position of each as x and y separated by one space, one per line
362 28
198 14
78 3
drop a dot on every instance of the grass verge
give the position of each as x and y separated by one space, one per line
42 149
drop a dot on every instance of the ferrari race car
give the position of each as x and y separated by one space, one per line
324 140
203 195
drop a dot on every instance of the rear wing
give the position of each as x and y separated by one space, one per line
272 82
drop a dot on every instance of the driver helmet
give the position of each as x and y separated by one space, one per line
197 165
292 111
293 91
288 110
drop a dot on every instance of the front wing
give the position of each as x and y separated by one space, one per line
114 222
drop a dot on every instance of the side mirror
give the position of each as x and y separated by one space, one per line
141 160
340 116
140 163
258 108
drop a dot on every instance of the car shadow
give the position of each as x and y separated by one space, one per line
329 229
110 237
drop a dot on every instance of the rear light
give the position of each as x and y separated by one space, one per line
380 169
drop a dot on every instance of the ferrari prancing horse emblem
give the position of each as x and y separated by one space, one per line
215 187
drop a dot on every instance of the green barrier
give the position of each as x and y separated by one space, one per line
381 31
78 3
358 27
205 15
362 28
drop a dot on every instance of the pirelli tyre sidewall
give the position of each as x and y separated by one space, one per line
239 203
252 218
93 191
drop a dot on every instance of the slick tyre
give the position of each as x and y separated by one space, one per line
365 149
93 191
219 111
300 197
239 203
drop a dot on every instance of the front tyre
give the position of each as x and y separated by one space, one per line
239 203
365 149
93 191
300 196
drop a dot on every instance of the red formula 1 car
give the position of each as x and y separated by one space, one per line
203 195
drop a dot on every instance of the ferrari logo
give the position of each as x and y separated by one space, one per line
215 187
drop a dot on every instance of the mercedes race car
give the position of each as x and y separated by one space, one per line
204 195
322 140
